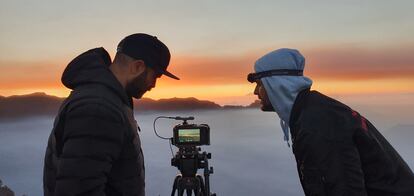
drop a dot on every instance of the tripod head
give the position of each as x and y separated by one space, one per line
189 159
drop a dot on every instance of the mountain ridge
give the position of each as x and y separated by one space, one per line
42 104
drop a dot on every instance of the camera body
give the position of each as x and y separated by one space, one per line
191 135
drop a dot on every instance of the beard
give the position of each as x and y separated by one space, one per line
267 107
137 87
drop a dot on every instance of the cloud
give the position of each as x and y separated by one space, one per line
360 63
201 70
18 74
335 63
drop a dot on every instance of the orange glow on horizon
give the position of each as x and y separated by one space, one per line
372 86
223 78
242 94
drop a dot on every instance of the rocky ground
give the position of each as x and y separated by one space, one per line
5 191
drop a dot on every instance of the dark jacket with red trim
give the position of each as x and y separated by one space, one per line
339 152
94 148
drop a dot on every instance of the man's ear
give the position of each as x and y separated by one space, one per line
137 67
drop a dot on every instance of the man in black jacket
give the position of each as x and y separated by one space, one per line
337 151
94 147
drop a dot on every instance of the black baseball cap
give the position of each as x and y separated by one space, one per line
148 48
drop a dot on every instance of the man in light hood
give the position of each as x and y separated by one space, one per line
337 151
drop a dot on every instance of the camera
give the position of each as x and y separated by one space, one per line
191 135
189 158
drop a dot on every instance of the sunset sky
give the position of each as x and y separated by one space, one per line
351 47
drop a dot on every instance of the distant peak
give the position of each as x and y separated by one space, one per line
36 95
39 94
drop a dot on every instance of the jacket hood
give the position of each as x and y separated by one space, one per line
91 67
283 90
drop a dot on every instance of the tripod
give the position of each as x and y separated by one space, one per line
188 160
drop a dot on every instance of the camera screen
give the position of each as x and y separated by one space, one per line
188 135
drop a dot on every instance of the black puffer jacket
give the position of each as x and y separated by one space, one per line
94 147
339 152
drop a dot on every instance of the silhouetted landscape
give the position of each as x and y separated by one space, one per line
28 105
41 104
266 167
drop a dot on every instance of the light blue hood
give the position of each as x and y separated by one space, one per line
282 90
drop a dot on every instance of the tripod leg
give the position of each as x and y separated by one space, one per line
175 185
188 191
180 192
202 186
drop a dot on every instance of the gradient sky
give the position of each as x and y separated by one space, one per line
351 47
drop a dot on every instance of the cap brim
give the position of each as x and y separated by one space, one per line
170 75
